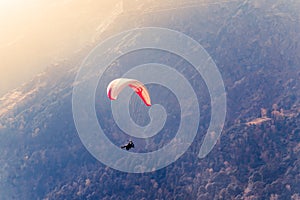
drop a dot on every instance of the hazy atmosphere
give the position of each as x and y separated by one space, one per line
35 34
150 99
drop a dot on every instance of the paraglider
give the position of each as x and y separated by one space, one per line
128 146
117 85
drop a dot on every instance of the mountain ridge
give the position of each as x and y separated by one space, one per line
254 47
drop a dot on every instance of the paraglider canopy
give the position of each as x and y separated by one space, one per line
117 85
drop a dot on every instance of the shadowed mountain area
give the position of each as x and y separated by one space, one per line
255 45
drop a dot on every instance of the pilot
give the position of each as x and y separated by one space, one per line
128 146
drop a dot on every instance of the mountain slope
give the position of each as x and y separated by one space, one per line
255 46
